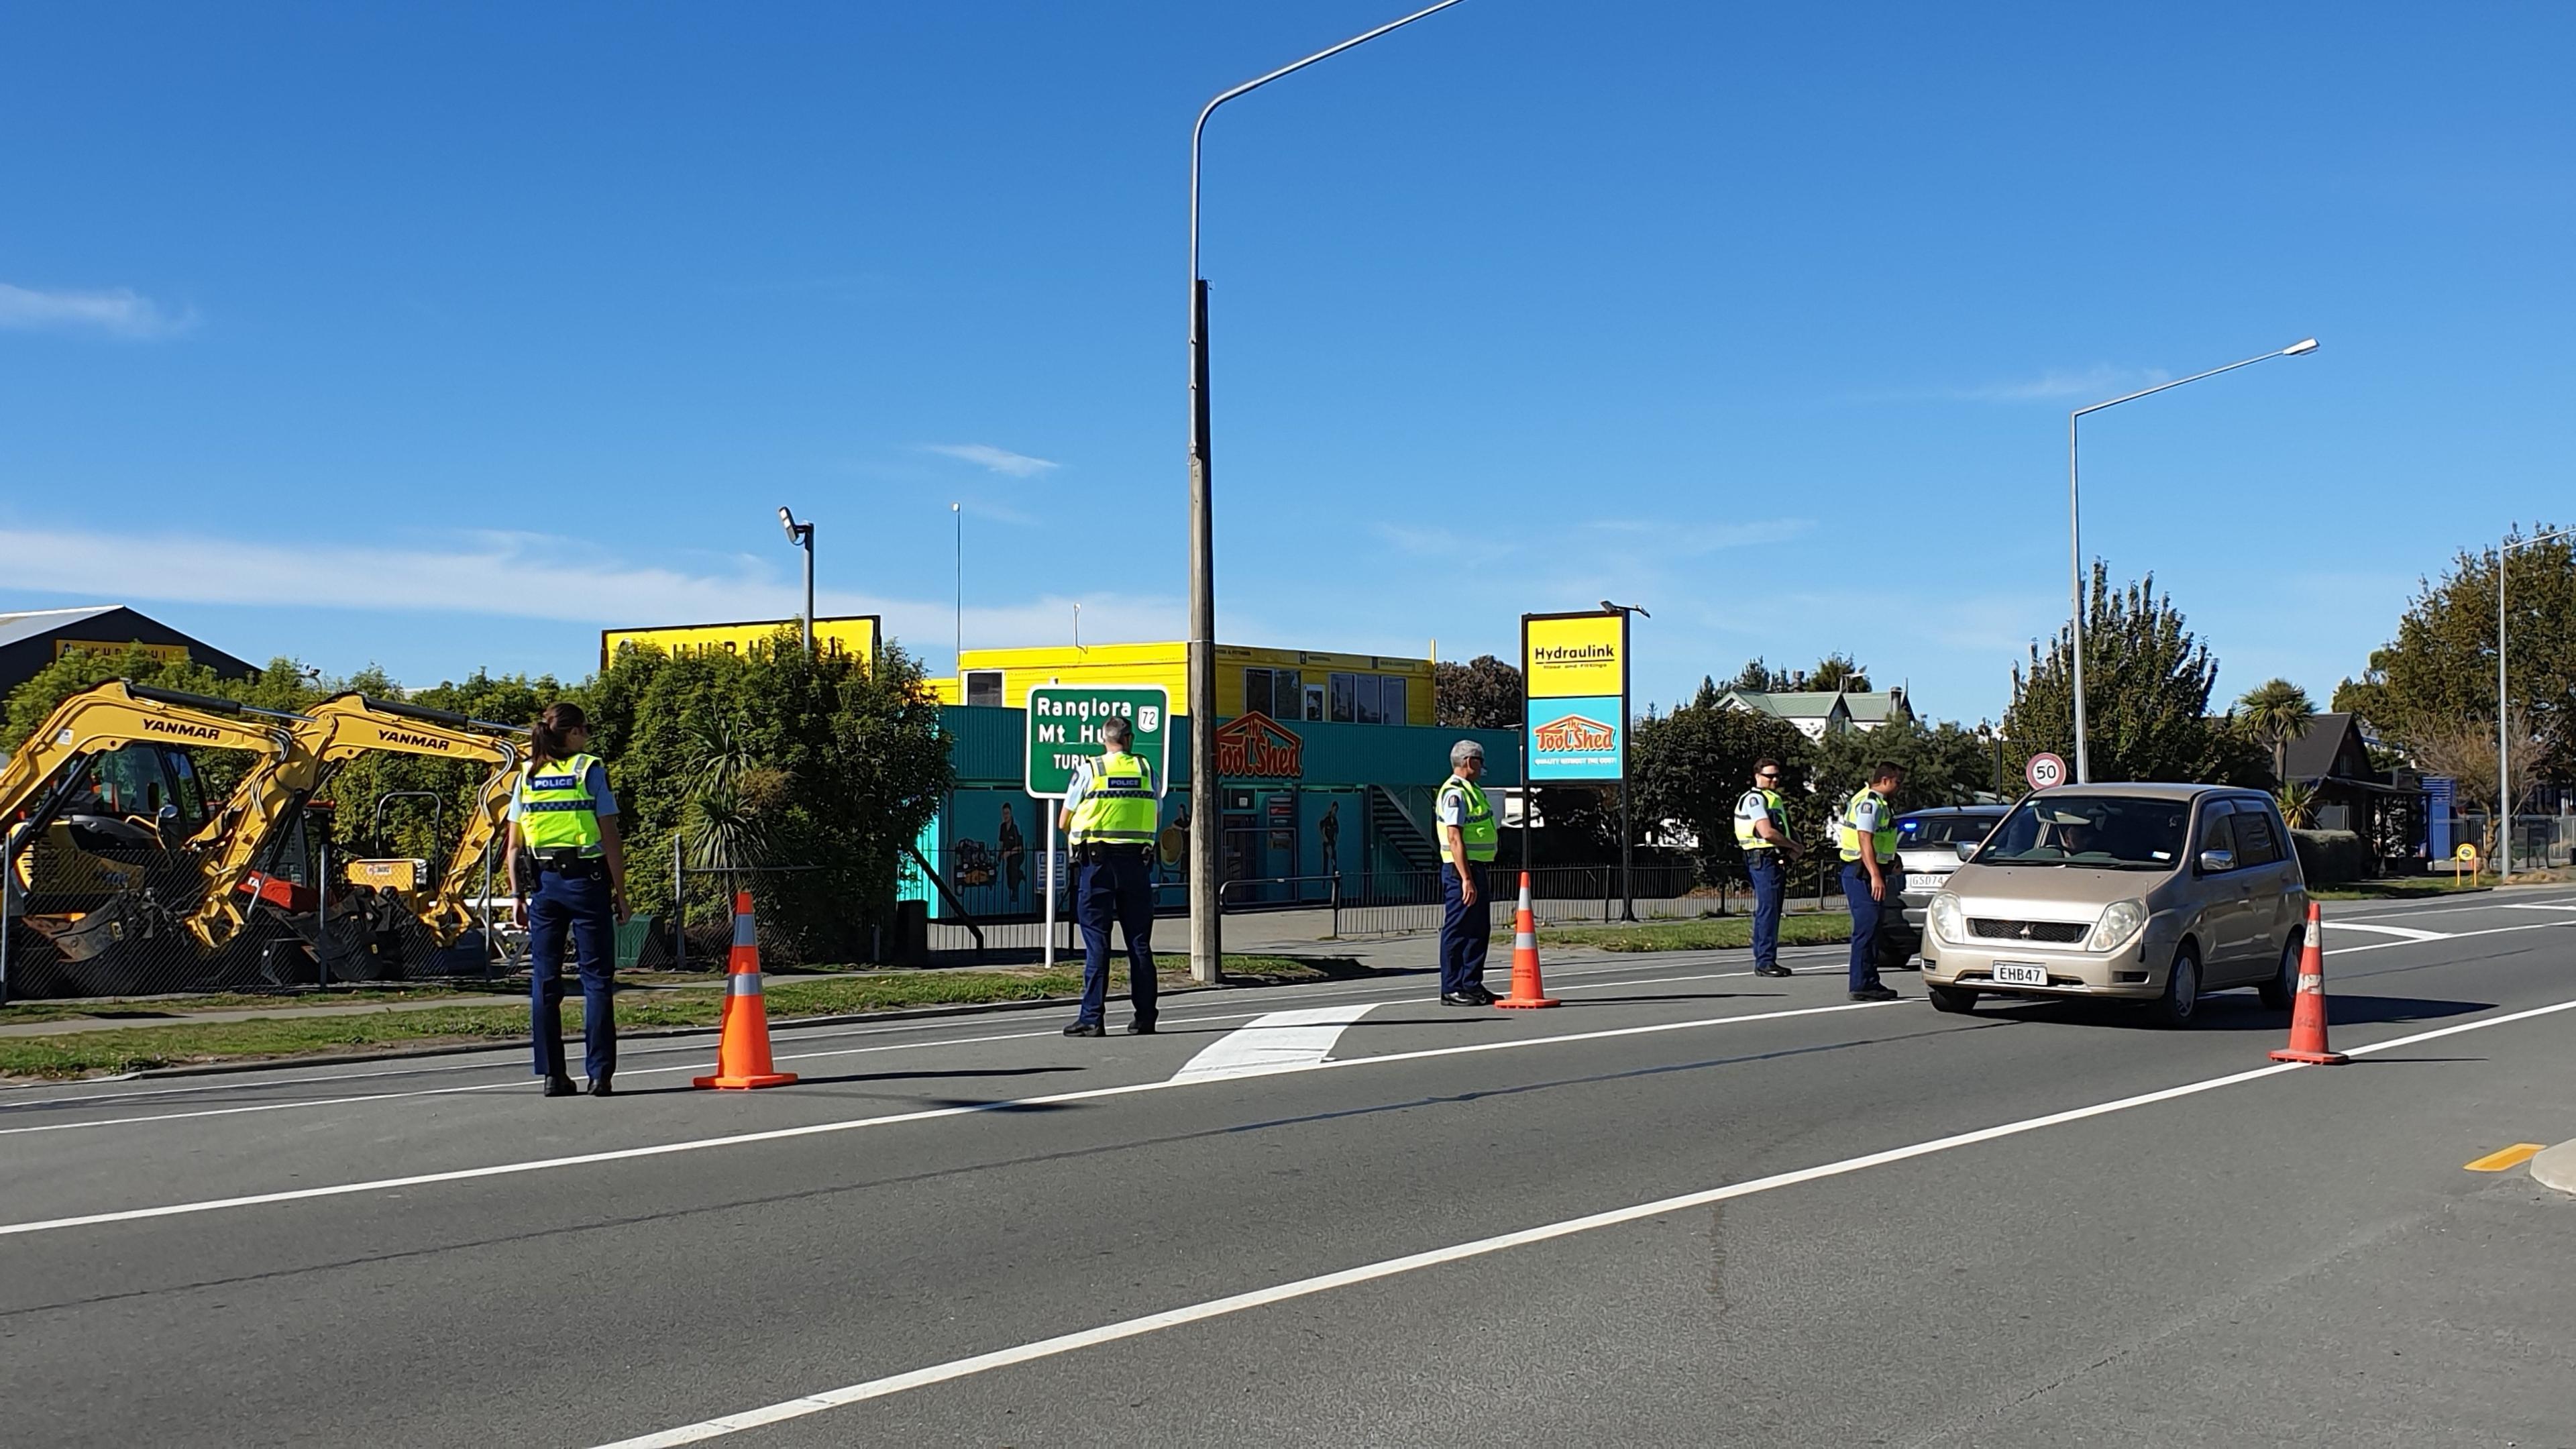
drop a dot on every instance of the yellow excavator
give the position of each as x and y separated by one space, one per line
246 871
103 814
118 849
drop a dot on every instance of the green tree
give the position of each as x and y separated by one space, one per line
1944 765
1483 693
2440 669
853 758
1758 676
1839 671
1692 765
2147 680
2277 712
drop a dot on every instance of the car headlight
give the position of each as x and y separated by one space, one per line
2118 924
1946 919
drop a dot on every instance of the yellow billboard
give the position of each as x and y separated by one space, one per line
1568 655
855 635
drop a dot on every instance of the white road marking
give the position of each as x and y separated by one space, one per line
1279 1041
814 1129
2409 932
2537 906
695 1067
879 1388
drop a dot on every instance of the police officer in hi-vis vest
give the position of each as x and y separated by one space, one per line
1762 834
568 869
1110 815
1869 856
1464 822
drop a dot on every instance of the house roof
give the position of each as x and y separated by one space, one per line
2311 755
1872 708
14 627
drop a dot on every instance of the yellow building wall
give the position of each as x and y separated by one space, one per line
1167 664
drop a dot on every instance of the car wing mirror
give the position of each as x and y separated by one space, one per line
1967 848
2217 862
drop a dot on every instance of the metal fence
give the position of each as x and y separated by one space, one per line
1397 901
88 912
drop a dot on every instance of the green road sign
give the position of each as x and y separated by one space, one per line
1064 731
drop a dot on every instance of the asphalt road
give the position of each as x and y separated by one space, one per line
1690 1208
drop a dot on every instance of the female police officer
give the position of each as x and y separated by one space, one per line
564 836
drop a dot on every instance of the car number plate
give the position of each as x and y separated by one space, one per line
2018 973
1919 884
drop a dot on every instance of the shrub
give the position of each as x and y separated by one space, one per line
2332 857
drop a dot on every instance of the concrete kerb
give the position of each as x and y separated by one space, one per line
2556 1167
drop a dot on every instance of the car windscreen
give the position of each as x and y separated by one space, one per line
2103 832
1916 830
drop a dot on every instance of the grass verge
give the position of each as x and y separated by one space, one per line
130 1049
2398 888
1801 929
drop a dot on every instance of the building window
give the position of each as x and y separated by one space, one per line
1367 699
1277 693
1315 702
984 686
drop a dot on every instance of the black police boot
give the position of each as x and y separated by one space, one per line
1141 1026
1774 969
1876 992
1086 1028
560 1087
1459 998
599 1087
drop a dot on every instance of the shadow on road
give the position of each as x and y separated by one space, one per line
2241 1012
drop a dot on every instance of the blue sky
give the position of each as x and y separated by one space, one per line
441 337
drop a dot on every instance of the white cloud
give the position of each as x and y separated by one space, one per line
120 312
997 460
535 576
2093 383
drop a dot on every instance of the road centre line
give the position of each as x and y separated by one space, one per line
892 1384
694 1049
816 1129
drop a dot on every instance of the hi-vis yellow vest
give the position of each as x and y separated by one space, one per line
1883 839
1477 831
1756 806
1119 807
555 808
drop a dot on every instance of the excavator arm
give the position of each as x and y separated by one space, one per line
121 712
339 729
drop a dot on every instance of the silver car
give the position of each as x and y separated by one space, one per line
1927 849
2150 893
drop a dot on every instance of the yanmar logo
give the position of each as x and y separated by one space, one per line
1573 733
182 729
424 742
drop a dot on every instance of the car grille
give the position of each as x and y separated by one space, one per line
2055 932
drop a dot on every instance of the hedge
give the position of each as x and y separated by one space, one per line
2332 857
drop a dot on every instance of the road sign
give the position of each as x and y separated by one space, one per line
2466 851
1064 731
2045 771
1574 697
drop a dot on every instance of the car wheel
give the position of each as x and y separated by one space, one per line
2283 988
2181 1000
1951 998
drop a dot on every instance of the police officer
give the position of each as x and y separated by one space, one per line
1762 834
1464 820
1869 852
1109 813
565 851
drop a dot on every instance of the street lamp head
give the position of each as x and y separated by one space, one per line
1608 607
2300 349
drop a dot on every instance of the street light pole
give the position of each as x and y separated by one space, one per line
2504 711
802 535
2075 530
1627 830
958 512
1206 835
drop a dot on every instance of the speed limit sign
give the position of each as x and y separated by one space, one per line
2045 771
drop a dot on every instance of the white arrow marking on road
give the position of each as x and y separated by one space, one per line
1282 1041
2409 932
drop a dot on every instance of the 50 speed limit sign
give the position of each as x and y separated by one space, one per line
2045 771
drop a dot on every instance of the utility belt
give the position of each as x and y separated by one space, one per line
571 864
1098 852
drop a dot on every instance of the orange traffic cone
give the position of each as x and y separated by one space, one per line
1526 989
2308 1012
742 1049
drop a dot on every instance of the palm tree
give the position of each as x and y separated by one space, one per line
2278 712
